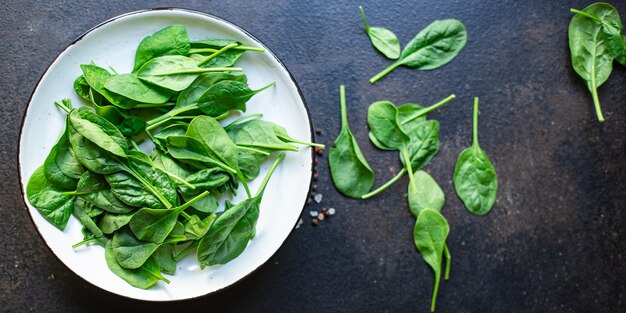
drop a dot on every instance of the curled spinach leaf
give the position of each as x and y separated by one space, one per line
382 39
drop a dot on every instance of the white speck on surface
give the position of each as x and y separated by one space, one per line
331 211
313 213
318 198
299 223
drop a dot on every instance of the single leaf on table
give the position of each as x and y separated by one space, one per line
382 39
232 230
590 56
171 40
428 196
432 47
475 179
143 277
608 18
53 204
429 235
129 86
349 170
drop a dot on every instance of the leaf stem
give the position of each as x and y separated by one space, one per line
253 150
585 14
367 26
342 101
384 72
242 118
203 70
245 48
435 291
153 105
245 184
62 106
190 202
430 108
446 252
269 174
407 164
289 139
384 186
475 123
182 181
594 95
216 53
186 250
148 186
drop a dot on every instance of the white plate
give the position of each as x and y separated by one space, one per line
113 43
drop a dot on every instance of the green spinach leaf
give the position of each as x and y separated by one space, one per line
171 40
55 206
382 39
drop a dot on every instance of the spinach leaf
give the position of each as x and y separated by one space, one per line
606 15
94 189
475 179
227 95
212 46
433 47
258 134
430 234
423 143
195 228
349 170
80 211
164 256
249 162
590 57
382 39
205 180
110 222
186 148
129 86
171 40
175 72
154 225
99 131
55 206
428 195
143 277
82 88
169 165
91 156
232 230
191 95
127 124
61 167
97 78
130 252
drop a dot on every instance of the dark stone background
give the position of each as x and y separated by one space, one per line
554 242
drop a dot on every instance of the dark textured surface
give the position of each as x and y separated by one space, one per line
554 242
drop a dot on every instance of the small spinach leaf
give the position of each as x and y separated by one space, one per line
171 40
382 39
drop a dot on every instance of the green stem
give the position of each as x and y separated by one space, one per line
253 150
407 164
222 116
134 145
155 141
158 275
148 186
245 184
167 116
269 174
203 70
383 187
289 139
475 123
153 105
585 14
367 26
191 202
265 87
113 70
344 111
240 119
186 250
185 215
446 252
77 193
430 108
211 50
182 181
385 72
435 291
594 95
216 53
62 106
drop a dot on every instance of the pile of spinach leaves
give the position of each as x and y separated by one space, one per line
148 211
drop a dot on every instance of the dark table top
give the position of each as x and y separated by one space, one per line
554 241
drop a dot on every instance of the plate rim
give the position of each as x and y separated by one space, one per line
80 37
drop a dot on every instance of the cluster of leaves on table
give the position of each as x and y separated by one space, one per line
149 211
407 130
595 40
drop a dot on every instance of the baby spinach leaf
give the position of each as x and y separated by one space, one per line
94 189
210 133
164 256
91 156
227 95
79 211
433 47
232 230
97 78
99 131
428 195
82 88
258 134
250 162
423 143
475 179
61 167
169 165
606 15
171 40
195 228
175 72
203 206
110 222
127 124
590 57
225 58
154 225
130 252
206 179
129 86
186 148
143 277
55 206
430 234
349 170
382 39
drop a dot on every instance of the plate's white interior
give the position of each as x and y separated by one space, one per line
113 44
